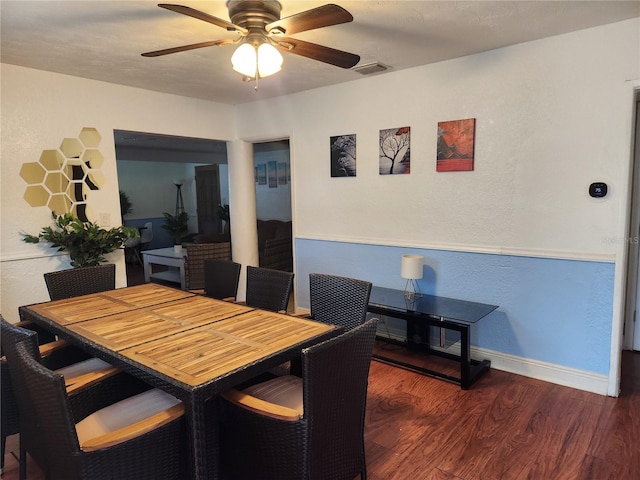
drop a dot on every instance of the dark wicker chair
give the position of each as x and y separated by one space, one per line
9 422
80 281
268 289
54 355
197 253
338 300
263 440
221 279
49 415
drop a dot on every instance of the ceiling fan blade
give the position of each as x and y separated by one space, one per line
184 48
318 52
205 17
323 16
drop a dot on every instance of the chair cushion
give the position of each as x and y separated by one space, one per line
123 413
285 390
80 368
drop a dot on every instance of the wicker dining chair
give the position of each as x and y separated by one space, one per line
79 370
197 254
221 279
9 423
52 351
86 434
80 281
338 300
309 428
268 289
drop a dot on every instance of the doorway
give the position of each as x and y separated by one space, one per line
273 204
150 165
208 199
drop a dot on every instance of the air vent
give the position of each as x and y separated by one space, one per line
370 68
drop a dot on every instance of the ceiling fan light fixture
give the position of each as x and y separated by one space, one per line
245 60
260 31
250 61
269 60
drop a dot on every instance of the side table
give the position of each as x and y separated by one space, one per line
168 257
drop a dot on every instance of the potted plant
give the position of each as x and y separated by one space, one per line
178 227
86 242
126 207
222 212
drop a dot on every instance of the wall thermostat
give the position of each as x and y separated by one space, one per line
598 189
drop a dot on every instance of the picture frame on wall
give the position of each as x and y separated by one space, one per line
282 173
395 151
272 174
261 174
343 155
456 145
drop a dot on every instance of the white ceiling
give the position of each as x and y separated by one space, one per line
103 40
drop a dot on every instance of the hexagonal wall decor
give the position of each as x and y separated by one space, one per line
56 182
71 147
90 137
51 160
32 172
36 196
60 203
93 158
62 178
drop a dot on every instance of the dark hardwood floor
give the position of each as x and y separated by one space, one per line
505 427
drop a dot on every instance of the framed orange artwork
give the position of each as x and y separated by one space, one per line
456 142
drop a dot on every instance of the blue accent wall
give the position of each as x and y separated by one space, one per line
552 310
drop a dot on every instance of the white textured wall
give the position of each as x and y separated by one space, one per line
39 110
552 117
151 190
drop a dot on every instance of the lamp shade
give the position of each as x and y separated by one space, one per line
245 60
251 61
269 60
412 266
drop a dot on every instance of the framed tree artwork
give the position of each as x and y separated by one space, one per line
456 144
395 152
343 156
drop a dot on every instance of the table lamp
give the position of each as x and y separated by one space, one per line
411 269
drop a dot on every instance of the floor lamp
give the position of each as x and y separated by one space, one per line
179 202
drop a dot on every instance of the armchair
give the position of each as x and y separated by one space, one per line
110 434
268 289
80 281
221 279
338 300
78 369
197 253
303 429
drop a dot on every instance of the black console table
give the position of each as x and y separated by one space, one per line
421 314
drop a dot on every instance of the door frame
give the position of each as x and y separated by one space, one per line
631 338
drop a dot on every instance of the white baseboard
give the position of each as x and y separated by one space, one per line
548 372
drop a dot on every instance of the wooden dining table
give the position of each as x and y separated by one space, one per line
191 346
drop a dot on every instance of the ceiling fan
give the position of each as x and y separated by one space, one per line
260 29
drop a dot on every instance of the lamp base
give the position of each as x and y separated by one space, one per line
412 290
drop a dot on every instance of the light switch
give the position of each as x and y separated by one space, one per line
105 219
